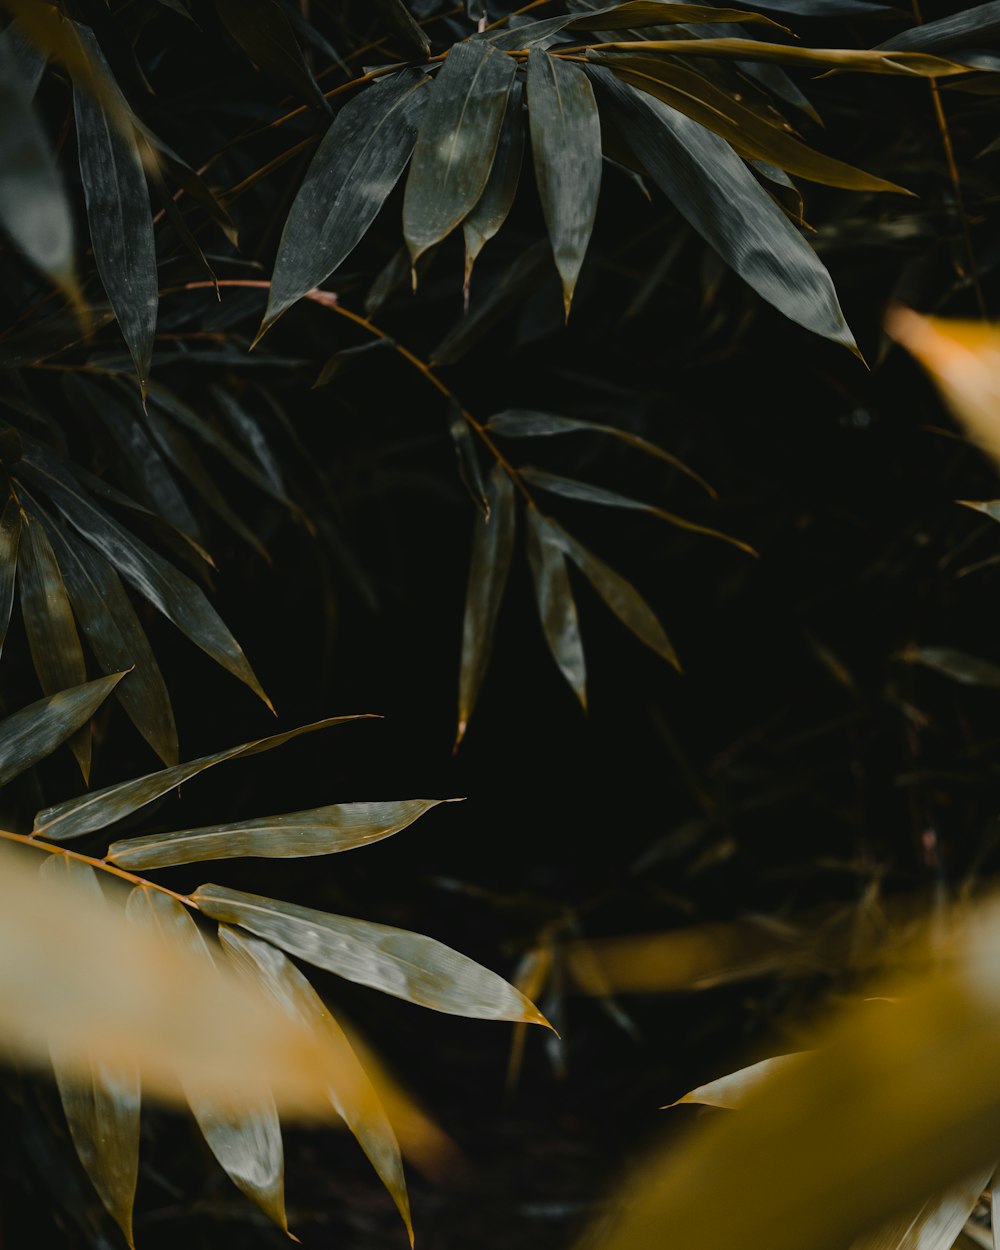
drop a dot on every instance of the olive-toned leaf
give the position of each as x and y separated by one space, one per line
263 31
103 807
102 1112
525 423
717 194
399 20
10 538
569 488
731 1091
620 595
357 164
456 143
566 145
971 28
492 548
470 468
247 1142
34 732
556 605
118 641
250 432
355 1099
34 209
967 670
319 831
493 206
935 1225
638 13
175 595
48 623
118 213
395 961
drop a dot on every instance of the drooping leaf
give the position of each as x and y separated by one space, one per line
250 432
638 13
357 164
717 194
493 206
395 961
118 213
935 1225
34 732
456 143
566 145
102 1112
399 20
319 831
247 1142
103 807
349 357
733 1089
977 27
967 670
470 468
492 547
354 1098
263 31
556 605
10 538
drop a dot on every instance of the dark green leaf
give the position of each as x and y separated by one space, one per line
566 144
248 430
967 670
33 733
121 225
357 164
263 31
865 60
456 143
827 8
399 20
103 807
638 13
492 547
349 357
320 831
493 206
10 537
972 28
395 961
556 605
31 61
470 468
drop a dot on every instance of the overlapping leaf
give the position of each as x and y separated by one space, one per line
263 31
556 605
34 732
493 206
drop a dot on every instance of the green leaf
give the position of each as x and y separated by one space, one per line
395 961
638 13
967 670
569 488
470 468
399 20
319 831
492 547
103 807
351 1092
733 1089
935 1225
556 605
250 432
717 194
35 731
620 595
34 209
525 423
121 225
348 357
566 144
494 205
358 162
972 28
247 1143
263 31
102 1113
48 623
10 537
456 143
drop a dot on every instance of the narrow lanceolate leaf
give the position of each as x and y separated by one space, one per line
492 547
732 1090
118 641
967 670
566 145
102 1112
638 13
395 961
118 213
569 488
399 21
456 143
263 31
33 733
357 164
34 209
493 206
470 468
717 194
935 1225
10 538
103 807
972 28
247 1142
319 831
556 605
48 623
353 1095
620 595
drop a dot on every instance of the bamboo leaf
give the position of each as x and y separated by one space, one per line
395 961
319 831
864 60
263 31
492 547
400 21
357 164
456 143
976 27
470 469
967 670
731 1091
355 1098
494 205
102 1112
566 144
635 14
828 8
34 732
10 538
103 807
556 605
936 1224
